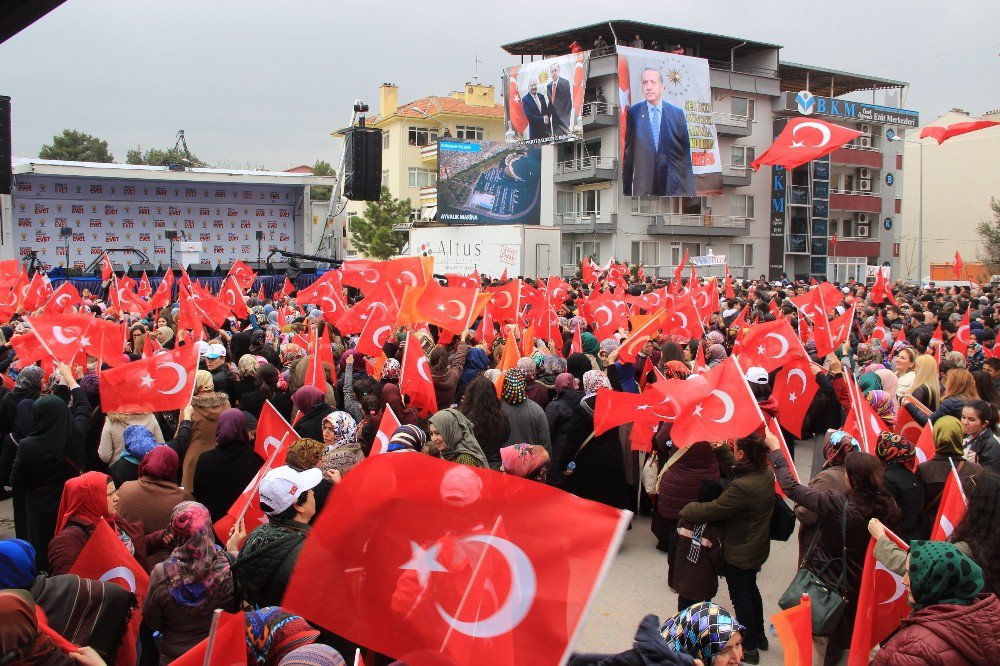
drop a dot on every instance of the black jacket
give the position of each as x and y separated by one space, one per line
909 494
222 475
311 424
266 560
987 450
559 413
253 403
649 649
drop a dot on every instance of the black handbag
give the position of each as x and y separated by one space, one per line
828 602
782 519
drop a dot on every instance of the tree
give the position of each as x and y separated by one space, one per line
374 234
156 157
989 231
321 192
76 146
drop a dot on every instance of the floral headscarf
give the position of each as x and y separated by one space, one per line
942 574
890 448
272 634
513 387
345 429
525 460
553 364
836 446
701 631
304 454
975 358
593 380
197 567
884 405
390 370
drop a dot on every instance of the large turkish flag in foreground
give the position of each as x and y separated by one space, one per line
882 605
157 384
425 557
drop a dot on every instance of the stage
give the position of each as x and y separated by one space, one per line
271 283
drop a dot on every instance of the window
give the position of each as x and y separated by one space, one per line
590 249
421 177
564 202
743 106
741 205
422 136
742 156
469 133
677 252
846 228
589 201
645 205
646 252
740 254
385 140
385 178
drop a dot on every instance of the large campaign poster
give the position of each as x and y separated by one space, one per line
488 182
669 144
544 100
106 213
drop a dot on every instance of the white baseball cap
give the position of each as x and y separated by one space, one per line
281 486
215 351
757 375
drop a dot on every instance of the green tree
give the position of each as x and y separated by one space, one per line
156 157
374 234
76 146
989 231
321 192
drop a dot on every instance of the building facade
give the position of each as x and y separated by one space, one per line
830 218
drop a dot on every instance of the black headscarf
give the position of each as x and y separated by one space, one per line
24 422
577 364
53 425
239 345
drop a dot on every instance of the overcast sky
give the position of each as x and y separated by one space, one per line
263 82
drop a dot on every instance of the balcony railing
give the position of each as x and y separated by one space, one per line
428 195
578 217
743 69
856 145
731 119
736 170
429 152
861 193
584 164
598 108
728 222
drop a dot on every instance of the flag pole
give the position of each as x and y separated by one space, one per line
211 636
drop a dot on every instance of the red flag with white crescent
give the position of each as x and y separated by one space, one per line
515 112
952 508
794 388
415 377
232 295
63 298
771 345
624 101
729 410
62 335
161 383
244 274
882 604
802 140
386 427
960 342
107 270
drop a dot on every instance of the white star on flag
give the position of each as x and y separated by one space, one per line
146 380
424 561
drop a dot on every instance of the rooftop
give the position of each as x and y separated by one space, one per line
793 78
147 172
436 105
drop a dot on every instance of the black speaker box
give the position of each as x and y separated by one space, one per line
136 270
200 270
363 166
6 173
279 267
74 272
308 266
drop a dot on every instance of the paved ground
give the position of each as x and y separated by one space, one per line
636 584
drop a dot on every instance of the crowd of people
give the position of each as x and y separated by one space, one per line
160 480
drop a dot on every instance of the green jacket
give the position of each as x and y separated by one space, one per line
266 560
743 510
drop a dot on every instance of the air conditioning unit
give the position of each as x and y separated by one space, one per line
861 218
865 185
861 231
865 142
864 173
866 129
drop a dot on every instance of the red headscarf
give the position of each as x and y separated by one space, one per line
85 497
160 463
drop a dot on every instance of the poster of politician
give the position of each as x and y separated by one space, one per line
669 143
488 182
544 100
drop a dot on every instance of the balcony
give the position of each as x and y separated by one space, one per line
743 78
585 170
599 114
429 153
855 246
698 225
735 175
856 155
603 62
728 124
591 222
428 196
856 201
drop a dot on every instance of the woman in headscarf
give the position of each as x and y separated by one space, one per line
22 641
139 441
869 381
315 654
165 336
91 384
592 350
390 397
714 355
312 409
390 371
266 388
446 370
340 437
483 408
87 500
247 368
526 461
80 610
451 438
224 472
272 634
942 586
559 412
890 382
900 459
577 364
708 632
476 361
186 588
933 474
208 405
526 418
46 458
884 404
407 438
27 386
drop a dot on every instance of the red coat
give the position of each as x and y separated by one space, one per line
943 635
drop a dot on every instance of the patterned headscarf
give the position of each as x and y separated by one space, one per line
701 631
316 654
248 365
513 387
138 442
836 446
197 566
890 448
593 380
526 461
676 370
553 364
345 429
407 438
272 634
390 370
942 574
304 454
884 404
30 378
715 337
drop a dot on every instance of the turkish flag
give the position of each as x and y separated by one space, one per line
706 298
863 424
942 134
818 302
960 342
105 558
607 313
729 410
880 332
320 353
150 346
794 388
11 295
144 290
959 265
287 289
232 295
700 364
728 285
515 110
415 377
29 350
882 290
228 637
125 300
274 436
467 281
634 343
937 340
376 331
952 508
106 340
210 310
62 335
829 335
683 318
675 284
506 304
243 274
576 344
794 630
66 296
386 427
163 295
432 560
658 403
906 426
449 308
802 140
273 432
589 272
353 320
329 281
39 290
771 345
188 316
107 270
161 383
882 605
925 445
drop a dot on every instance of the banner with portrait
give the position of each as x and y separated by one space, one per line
669 142
544 99
488 182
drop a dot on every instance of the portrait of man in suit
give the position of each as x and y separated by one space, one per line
657 158
536 110
560 102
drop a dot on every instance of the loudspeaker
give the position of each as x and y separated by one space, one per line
74 272
259 235
279 267
200 270
136 270
363 166
171 234
65 231
6 172
308 266
225 268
